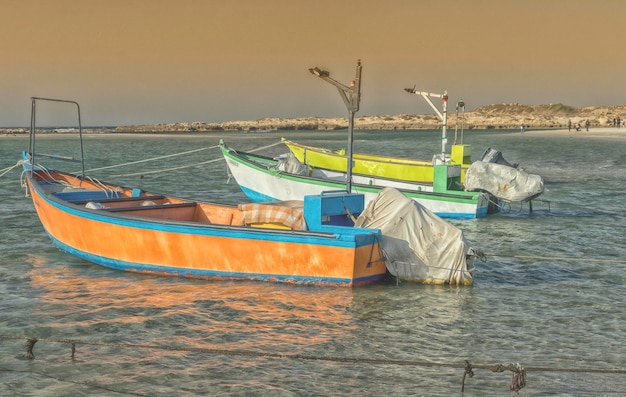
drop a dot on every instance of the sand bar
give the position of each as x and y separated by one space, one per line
606 132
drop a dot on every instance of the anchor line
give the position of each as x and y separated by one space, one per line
167 169
518 371
557 258
4 171
151 159
495 368
182 166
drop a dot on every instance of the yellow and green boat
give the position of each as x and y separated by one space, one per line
382 166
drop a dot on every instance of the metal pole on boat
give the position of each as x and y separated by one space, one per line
33 129
444 136
443 116
351 96
31 139
460 105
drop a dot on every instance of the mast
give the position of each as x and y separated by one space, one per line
351 96
443 115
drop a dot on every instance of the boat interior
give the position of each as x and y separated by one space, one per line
94 195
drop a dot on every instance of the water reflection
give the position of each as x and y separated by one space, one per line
86 301
104 304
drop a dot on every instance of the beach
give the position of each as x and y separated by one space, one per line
609 133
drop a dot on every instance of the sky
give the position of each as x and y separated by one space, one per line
131 62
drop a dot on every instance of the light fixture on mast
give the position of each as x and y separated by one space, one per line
351 96
443 115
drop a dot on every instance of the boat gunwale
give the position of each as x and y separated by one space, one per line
100 215
360 156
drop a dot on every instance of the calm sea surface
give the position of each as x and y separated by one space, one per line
551 295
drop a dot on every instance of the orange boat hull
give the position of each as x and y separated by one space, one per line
131 242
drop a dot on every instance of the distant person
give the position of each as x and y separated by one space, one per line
587 123
569 125
619 122
578 126
522 128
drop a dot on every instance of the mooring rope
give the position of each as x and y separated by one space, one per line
183 166
518 380
265 147
8 169
558 258
4 171
20 162
167 169
151 159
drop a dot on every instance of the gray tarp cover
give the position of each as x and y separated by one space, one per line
506 183
290 164
418 245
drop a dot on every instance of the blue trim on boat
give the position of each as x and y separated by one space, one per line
255 196
457 215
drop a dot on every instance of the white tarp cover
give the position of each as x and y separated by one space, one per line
506 183
419 246
290 164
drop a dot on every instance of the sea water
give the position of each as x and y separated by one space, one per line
550 296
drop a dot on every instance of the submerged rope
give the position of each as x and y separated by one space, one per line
518 380
557 258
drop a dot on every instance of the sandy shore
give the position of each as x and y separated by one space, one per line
609 133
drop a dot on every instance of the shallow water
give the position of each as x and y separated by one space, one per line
550 295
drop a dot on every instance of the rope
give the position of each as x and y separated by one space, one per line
6 170
249 353
518 380
556 258
182 166
264 147
151 159
167 169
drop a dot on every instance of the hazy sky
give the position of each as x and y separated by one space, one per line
162 61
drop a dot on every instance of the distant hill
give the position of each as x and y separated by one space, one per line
499 116
541 116
502 116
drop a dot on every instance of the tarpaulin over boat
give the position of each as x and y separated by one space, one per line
506 183
290 164
289 213
418 245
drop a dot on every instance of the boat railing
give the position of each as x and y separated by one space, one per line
31 148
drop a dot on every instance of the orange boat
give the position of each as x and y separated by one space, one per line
299 241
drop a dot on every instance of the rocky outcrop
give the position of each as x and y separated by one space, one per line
507 116
502 116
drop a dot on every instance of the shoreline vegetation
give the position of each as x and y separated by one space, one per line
555 117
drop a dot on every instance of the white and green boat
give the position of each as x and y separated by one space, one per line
264 178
